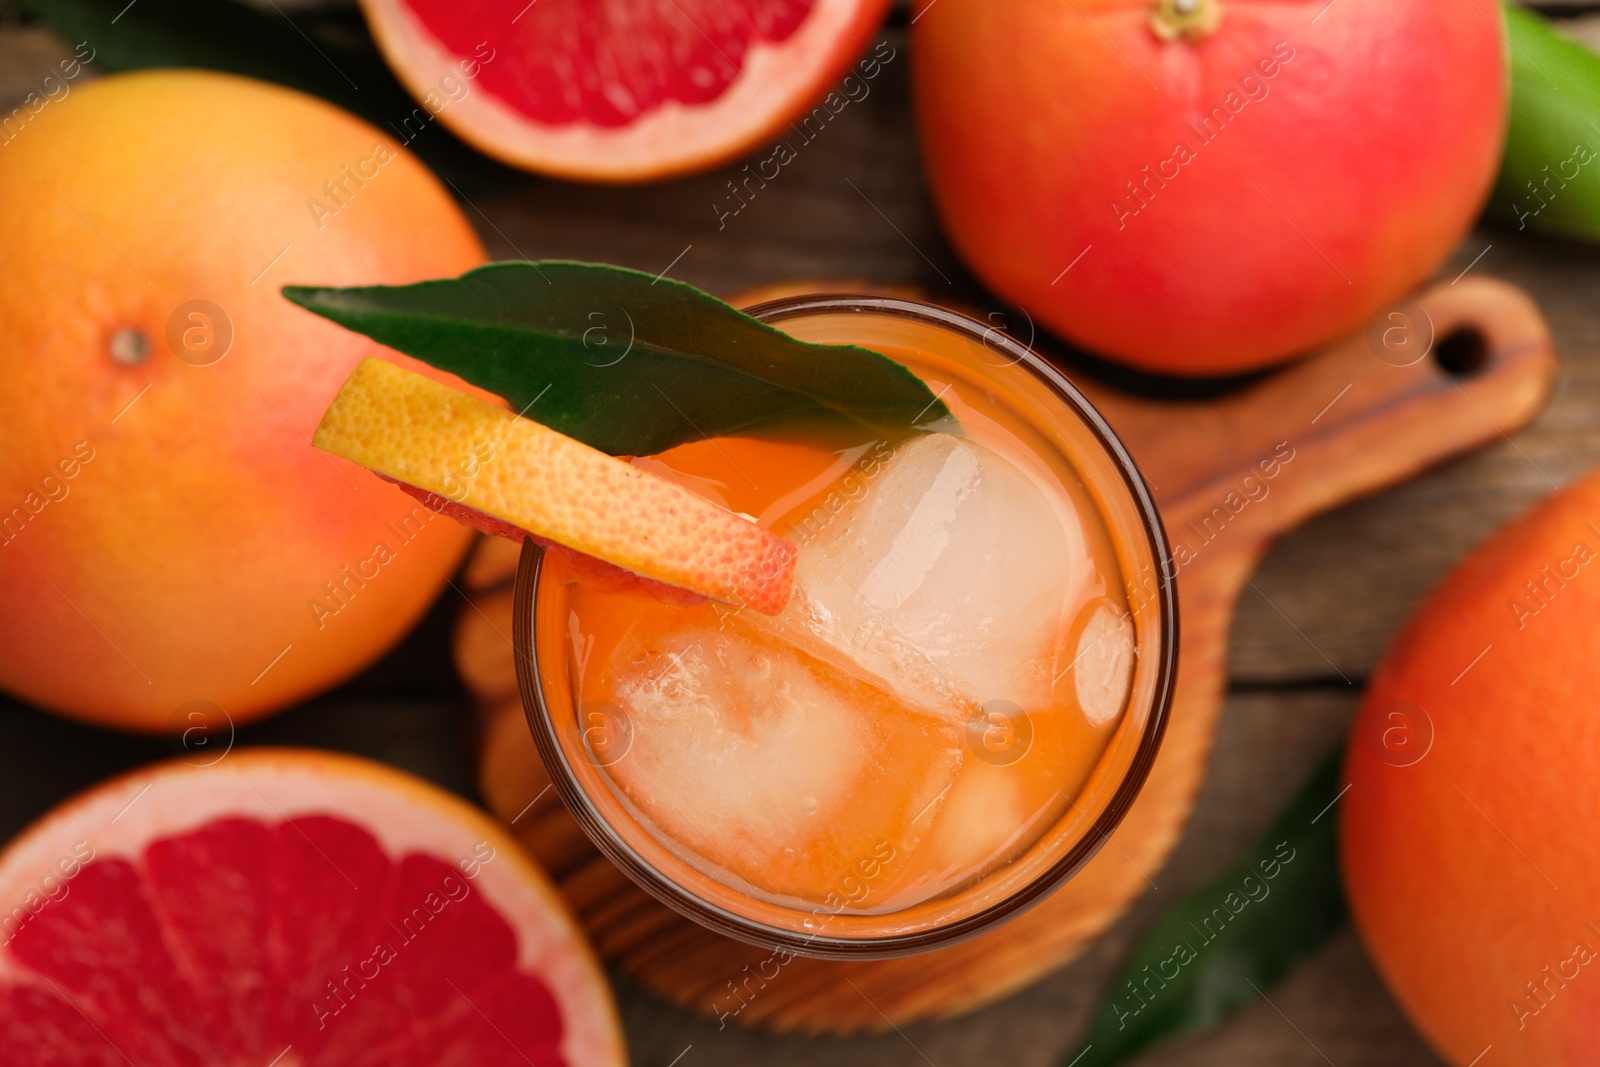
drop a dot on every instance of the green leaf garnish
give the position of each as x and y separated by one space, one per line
1222 946
627 363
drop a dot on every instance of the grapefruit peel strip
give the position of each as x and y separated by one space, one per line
411 429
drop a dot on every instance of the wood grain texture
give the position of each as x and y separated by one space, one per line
853 205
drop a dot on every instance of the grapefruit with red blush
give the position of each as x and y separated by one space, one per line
294 909
610 92
1467 836
167 532
1205 187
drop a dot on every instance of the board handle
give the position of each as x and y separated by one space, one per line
1354 421
1456 366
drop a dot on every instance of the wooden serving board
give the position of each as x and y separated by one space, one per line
1340 424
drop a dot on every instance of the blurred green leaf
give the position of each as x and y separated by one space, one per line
271 46
227 36
1220 947
1549 179
628 363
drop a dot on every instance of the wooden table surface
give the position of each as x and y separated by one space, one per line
1330 595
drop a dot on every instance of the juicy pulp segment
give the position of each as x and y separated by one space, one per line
606 63
412 429
235 940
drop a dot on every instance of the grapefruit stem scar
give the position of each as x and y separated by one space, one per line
1190 19
129 346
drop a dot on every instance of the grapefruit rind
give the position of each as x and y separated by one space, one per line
412 429
777 85
123 816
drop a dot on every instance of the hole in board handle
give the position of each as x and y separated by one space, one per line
1462 352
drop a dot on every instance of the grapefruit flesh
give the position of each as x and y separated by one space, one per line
167 533
620 92
627 70
294 909
525 476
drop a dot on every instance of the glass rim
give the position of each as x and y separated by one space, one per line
815 945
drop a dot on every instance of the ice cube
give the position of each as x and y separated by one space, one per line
980 824
1103 667
948 578
771 766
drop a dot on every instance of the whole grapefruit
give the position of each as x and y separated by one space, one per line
1203 187
293 908
167 532
1468 832
638 91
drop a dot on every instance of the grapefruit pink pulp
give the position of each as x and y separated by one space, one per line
620 92
293 908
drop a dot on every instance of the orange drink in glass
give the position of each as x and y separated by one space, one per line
957 706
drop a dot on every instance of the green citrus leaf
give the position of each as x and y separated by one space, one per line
628 363
1550 175
1218 949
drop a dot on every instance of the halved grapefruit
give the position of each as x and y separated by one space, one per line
291 908
620 92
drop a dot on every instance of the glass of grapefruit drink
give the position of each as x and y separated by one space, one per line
943 721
